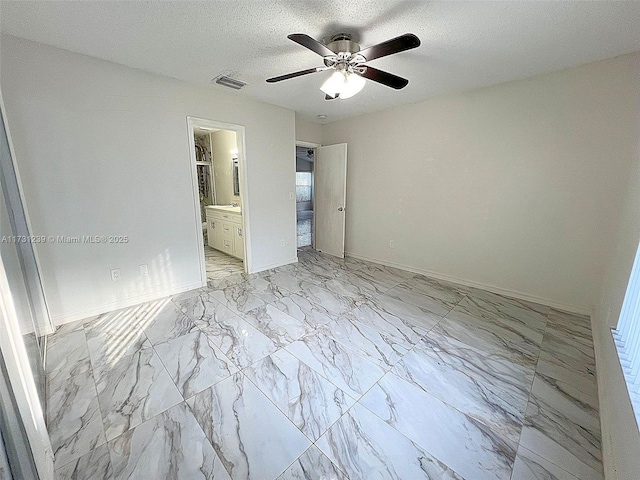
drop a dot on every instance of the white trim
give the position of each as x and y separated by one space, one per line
308 144
244 189
22 383
606 357
42 329
124 303
567 307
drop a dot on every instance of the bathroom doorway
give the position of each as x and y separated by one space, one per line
220 200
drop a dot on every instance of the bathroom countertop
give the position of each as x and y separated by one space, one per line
224 208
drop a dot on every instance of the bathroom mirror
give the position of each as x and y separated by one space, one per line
236 181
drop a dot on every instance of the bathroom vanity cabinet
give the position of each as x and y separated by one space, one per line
224 229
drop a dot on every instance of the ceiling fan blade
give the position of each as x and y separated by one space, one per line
395 45
295 74
329 97
385 78
310 43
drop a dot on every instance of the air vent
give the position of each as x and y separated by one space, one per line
229 82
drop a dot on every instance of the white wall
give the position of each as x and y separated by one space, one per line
308 132
103 150
515 187
223 143
621 439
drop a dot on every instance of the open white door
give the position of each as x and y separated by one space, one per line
330 185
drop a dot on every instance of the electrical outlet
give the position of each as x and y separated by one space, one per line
115 275
144 270
392 244
282 244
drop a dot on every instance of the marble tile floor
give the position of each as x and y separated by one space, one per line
304 227
326 369
220 265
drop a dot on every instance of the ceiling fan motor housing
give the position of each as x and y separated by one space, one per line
342 43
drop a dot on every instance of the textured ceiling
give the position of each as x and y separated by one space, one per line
465 45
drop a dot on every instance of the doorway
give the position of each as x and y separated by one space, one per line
321 194
305 157
220 200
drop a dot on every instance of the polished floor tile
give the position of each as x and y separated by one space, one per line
95 465
250 286
518 343
382 276
299 306
238 298
292 280
491 306
304 227
167 322
239 341
466 445
334 303
67 354
309 400
327 368
355 284
313 465
479 384
220 265
563 427
113 336
281 328
529 466
250 435
73 417
351 372
382 315
133 390
203 308
171 445
435 296
365 447
378 347
576 327
194 363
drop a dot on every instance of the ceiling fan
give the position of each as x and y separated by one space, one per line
347 59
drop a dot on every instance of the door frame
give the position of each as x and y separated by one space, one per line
192 123
19 382
22 388
313 227
32 271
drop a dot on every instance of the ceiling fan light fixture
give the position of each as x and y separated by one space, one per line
354 84
343 84
334 84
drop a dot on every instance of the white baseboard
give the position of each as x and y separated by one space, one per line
483 286
59 320
608 460
275 265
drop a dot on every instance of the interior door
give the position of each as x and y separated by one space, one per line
330 184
